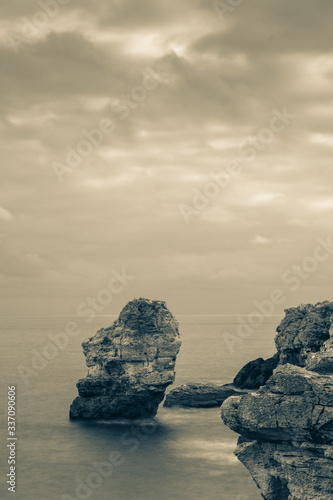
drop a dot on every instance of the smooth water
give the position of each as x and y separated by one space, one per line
186 454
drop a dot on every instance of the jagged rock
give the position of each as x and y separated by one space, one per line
256 373
322 361
287 426
130 364
295 404
289 471
303 330
199 395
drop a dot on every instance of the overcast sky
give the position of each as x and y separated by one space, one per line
223 75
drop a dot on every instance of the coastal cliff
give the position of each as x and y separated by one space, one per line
130 364
286 426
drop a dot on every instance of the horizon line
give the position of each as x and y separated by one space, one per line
109 315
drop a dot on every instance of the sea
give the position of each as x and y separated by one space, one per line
180 455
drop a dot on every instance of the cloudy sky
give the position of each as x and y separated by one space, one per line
192 90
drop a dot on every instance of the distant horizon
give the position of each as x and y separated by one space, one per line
176 152
179 151
116 315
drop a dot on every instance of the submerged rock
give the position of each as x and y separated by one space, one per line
130 364
256 373
199 395
287 426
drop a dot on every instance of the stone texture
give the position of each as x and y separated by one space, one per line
130 364
256 373
303 330
289 471
286 427
322 361
294 404
199 395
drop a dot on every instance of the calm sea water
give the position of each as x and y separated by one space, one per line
188 455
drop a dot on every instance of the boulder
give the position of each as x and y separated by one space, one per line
130 364
256 373
199 395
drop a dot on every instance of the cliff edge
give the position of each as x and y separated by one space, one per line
287 426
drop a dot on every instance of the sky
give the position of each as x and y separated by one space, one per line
209 177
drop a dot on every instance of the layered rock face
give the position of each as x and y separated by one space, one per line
287 426
130 364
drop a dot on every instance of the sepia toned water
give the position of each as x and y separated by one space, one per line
185 455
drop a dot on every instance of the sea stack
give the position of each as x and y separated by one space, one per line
130 364
287 426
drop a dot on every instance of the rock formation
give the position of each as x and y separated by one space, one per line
199 395
256 373
303 331
287 426
130 364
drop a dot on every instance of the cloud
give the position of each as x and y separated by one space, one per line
120 206
4 214
260 28
261 240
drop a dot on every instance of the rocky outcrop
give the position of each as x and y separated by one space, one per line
256 373
295 471
199 395
303 331
287 426
295 404
130 364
